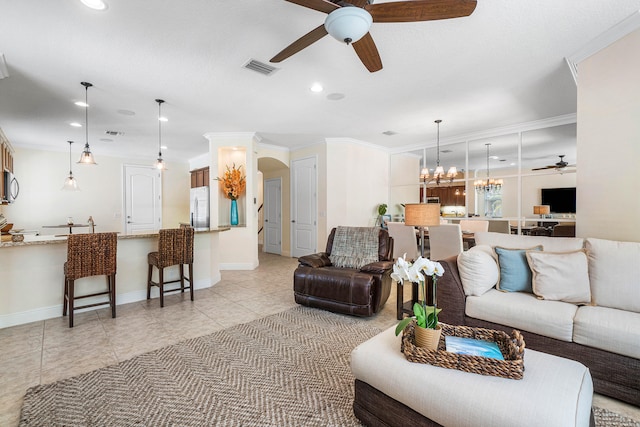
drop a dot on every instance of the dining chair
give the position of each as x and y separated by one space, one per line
445 241
89 255
175 247
500 226
404 240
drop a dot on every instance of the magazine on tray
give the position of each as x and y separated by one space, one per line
473 347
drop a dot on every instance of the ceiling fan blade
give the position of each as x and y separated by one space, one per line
368 53
544 168
304 41
420 10
319 5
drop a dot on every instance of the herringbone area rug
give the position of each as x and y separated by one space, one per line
289 369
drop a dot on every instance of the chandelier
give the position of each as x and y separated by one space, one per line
490 185
438 174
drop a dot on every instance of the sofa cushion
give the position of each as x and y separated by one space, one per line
614 273
524 311
478 270
560 276
515 274
617 331
515 241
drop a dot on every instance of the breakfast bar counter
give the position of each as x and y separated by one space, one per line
31 273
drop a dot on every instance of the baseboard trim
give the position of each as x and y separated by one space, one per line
20 318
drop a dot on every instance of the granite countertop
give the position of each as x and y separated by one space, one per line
30 240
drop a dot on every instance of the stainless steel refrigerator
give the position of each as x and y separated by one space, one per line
199 206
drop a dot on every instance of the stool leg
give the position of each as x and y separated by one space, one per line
65 296
71 289
161 285
112 287
182 278
191 280
149 281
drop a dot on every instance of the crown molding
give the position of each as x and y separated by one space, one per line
499 131
613 34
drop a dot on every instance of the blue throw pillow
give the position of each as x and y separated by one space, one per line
515 274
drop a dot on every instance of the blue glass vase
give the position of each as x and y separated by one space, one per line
234 212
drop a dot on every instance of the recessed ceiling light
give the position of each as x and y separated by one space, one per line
81 104
75 125
164 147
316 87
163 119
494 157
95 4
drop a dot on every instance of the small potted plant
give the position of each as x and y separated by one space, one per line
427 330
382 209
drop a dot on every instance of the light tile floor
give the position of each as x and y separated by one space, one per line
48 351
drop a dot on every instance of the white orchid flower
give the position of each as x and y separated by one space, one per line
414 274
438 269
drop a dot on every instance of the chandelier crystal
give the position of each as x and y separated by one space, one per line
489 186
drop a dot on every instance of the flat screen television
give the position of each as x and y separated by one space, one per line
560 200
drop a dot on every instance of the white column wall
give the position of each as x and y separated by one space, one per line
357 183
608 142
239 245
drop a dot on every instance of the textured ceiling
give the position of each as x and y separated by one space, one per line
500 66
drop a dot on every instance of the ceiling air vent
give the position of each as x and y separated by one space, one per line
113 133
260 67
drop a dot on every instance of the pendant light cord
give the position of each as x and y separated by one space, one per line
70 171
438 143
159 101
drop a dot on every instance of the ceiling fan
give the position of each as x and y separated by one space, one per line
349 22
560 165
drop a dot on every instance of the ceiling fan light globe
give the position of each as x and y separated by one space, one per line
348 24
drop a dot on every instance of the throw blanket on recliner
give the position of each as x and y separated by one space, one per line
354 247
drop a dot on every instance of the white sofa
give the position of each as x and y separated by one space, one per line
583 302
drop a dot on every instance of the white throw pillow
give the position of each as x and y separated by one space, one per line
478 270
560 276
614 271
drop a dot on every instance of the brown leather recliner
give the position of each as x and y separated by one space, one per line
359 292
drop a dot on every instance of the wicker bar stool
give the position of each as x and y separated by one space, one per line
89 255
175 247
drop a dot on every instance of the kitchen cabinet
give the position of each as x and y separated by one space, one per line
449 196
200 177
6 162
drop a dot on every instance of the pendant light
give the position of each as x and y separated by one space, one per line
70 183
86 158
160 163
439 174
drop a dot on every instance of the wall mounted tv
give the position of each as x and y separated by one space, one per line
560 200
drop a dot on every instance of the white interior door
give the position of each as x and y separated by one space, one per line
273 216
142 199
303 207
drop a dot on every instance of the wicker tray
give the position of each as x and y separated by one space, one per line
512 349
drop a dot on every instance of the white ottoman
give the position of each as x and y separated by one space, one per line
554 391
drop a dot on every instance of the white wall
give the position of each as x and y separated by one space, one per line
404 182
42 202
357 182
609 142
